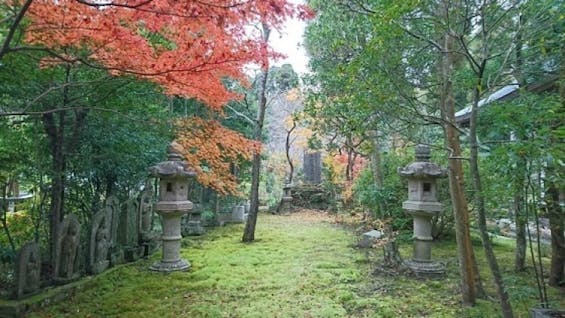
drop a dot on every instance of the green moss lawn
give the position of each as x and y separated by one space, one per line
302 265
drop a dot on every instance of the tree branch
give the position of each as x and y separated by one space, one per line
12 30
242 115
114 4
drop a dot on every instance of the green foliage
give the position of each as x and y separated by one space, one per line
390 196
116 149
282 79
533 147
108 140
21 228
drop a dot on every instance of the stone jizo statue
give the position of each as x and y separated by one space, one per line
28 270
102 243
67 250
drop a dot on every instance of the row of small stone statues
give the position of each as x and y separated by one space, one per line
118 233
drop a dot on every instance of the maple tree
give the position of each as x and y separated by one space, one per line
211 149
187 47
344 168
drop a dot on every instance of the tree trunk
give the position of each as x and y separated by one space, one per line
456 183
55 135
376 167
249 231
556 213
480 202
287 152
3 216
348 167
557 226
521 242
518 199
391 255
55 125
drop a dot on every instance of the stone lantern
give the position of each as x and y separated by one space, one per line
286 200
173 177
422 204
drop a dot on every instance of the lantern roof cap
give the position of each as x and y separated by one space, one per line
422 168
174 167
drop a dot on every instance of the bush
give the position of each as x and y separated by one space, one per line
385 202
20 225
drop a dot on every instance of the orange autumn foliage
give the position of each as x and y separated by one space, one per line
337 166
187 47
211 150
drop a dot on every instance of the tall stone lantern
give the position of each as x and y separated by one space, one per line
173 203
422 204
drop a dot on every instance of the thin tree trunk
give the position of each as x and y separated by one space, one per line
376 167
348 167
249 231
12 30
556 213
287 152
56 139
391 255
520 220
480 202
557 226
456 184
3 218
55 126
518 200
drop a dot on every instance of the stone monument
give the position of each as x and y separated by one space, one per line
422 204
238 214
112 206
312 167
191 224
173 177
67 250
148 239
146 210
128 230
99 243
28 270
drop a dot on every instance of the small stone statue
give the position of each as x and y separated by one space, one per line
32 273
66 267
102 243
28 270
146 207
99 243
69 252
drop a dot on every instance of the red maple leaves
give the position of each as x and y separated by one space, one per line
188 47
212 150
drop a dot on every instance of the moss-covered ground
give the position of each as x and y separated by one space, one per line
303 265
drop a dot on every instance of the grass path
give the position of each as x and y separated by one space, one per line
301 266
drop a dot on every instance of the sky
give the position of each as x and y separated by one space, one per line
289 42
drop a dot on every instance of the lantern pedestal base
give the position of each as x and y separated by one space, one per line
286 206
180 265
426 269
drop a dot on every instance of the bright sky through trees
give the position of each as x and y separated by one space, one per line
289 42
